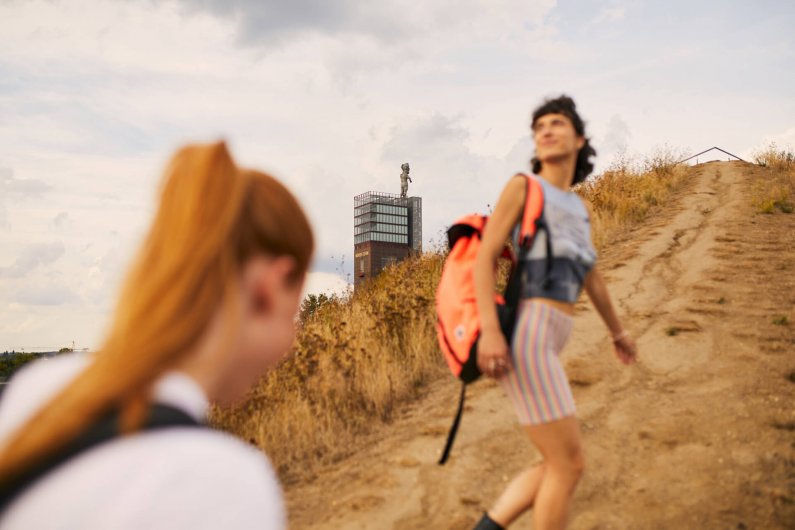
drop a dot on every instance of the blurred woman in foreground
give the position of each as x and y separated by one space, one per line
206 309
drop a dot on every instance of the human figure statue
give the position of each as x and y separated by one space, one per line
404 180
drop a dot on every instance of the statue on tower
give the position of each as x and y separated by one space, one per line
404 180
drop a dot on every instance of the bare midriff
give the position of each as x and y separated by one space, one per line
566 307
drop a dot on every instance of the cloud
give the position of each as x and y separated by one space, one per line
610 14
33 256
325 283
45 295
60 221
349 40
273 20
783 140
436 146
432 137
10 186
518 158
104 275
616 139
451 178
391 22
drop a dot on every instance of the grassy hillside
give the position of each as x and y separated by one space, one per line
775 189
359 357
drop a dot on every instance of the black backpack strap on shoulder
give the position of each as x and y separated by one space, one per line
454 428
103 430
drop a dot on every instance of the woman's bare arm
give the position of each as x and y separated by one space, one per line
623 344
597 292
492 347
596 288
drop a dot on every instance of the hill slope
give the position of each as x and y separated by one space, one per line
699 434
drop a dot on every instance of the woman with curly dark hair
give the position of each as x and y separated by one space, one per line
557 266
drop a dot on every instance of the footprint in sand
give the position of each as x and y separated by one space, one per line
682 326
363 502
582 372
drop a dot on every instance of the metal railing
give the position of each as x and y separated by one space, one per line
710 149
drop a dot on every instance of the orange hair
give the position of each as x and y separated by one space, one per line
212 217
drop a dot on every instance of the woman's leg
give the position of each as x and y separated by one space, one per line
560 443
542 399
547 487
519 496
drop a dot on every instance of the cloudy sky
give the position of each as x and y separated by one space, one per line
332 96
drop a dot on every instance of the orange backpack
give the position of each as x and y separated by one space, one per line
458 322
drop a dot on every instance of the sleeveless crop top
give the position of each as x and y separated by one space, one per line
565 232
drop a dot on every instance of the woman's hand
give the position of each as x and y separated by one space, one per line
626 350
493 354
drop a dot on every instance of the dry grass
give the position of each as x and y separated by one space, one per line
627 192
359 357
356 359
775 189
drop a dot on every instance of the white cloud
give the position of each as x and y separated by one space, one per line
325 283
616 138
10 186
51 294
17 189
61 221
428 137
273 21
33 256
610 14
451 178
518 158
784 140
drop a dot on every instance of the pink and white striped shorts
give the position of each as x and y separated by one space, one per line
537 384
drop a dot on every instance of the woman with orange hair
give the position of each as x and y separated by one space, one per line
109 440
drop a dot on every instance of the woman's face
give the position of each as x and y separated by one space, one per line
556 138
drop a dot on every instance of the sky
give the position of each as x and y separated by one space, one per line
331 97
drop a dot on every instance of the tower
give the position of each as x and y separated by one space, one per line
387 228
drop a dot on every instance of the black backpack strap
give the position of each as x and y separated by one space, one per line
454 428
103 430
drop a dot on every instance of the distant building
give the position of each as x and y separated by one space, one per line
387 228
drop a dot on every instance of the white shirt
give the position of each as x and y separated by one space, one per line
176 478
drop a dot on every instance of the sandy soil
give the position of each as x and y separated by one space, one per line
698 435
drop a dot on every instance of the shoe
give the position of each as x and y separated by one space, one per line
487 523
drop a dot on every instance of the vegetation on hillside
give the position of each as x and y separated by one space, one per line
629 190
11 361
358 357
775 191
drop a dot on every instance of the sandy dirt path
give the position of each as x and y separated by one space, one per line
698 435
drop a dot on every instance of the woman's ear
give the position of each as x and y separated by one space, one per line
264 279
580 142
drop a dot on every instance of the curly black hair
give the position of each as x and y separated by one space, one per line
565 105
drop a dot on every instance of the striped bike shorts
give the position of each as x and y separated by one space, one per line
537 384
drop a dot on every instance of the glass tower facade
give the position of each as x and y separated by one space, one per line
386 229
